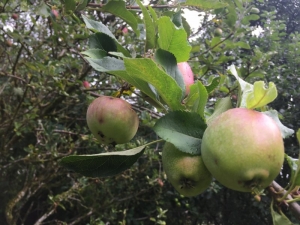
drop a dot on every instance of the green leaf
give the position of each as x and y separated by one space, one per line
254 96
103 164
116 67
82 4
213 84
70 5
182 129
231 16
205 4
100 27
118 8
285 131
137 82
173 39
102 41
97 26
222 105
168 62
247 19
197 98
106 64
298 136
279 219
243 45
150 27
95 53
294 165
43 10
177 19
258 73
166 86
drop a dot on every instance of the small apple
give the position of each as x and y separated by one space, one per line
187 173
15 16
218 32
86 84
9 43
125 30
55 13
188 76
112 120
243 149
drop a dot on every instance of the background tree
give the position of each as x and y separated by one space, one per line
47 83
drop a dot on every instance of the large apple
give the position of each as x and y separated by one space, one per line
187 173
188 76
243 149
112 120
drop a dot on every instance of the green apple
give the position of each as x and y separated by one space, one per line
187 173
243 149
112 120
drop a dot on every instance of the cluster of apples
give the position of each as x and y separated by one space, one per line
242 149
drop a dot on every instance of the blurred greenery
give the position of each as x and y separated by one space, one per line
43 104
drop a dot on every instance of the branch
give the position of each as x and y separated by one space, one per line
45 216
95 5
294 206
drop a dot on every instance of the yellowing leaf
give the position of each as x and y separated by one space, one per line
261 96
254 96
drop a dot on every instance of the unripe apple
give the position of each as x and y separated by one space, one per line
187 173
218 32
188 76
243 149
112 120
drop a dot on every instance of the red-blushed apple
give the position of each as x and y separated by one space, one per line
188 76
112 120
125 30
86 84
243 149
15 16
55 13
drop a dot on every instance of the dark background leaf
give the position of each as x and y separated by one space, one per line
103 164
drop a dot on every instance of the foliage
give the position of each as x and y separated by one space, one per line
48 48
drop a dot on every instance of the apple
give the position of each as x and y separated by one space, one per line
9 43
86 84
112 120
125 30
55 13
187 173
218 32
15 16
188 76
243 149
